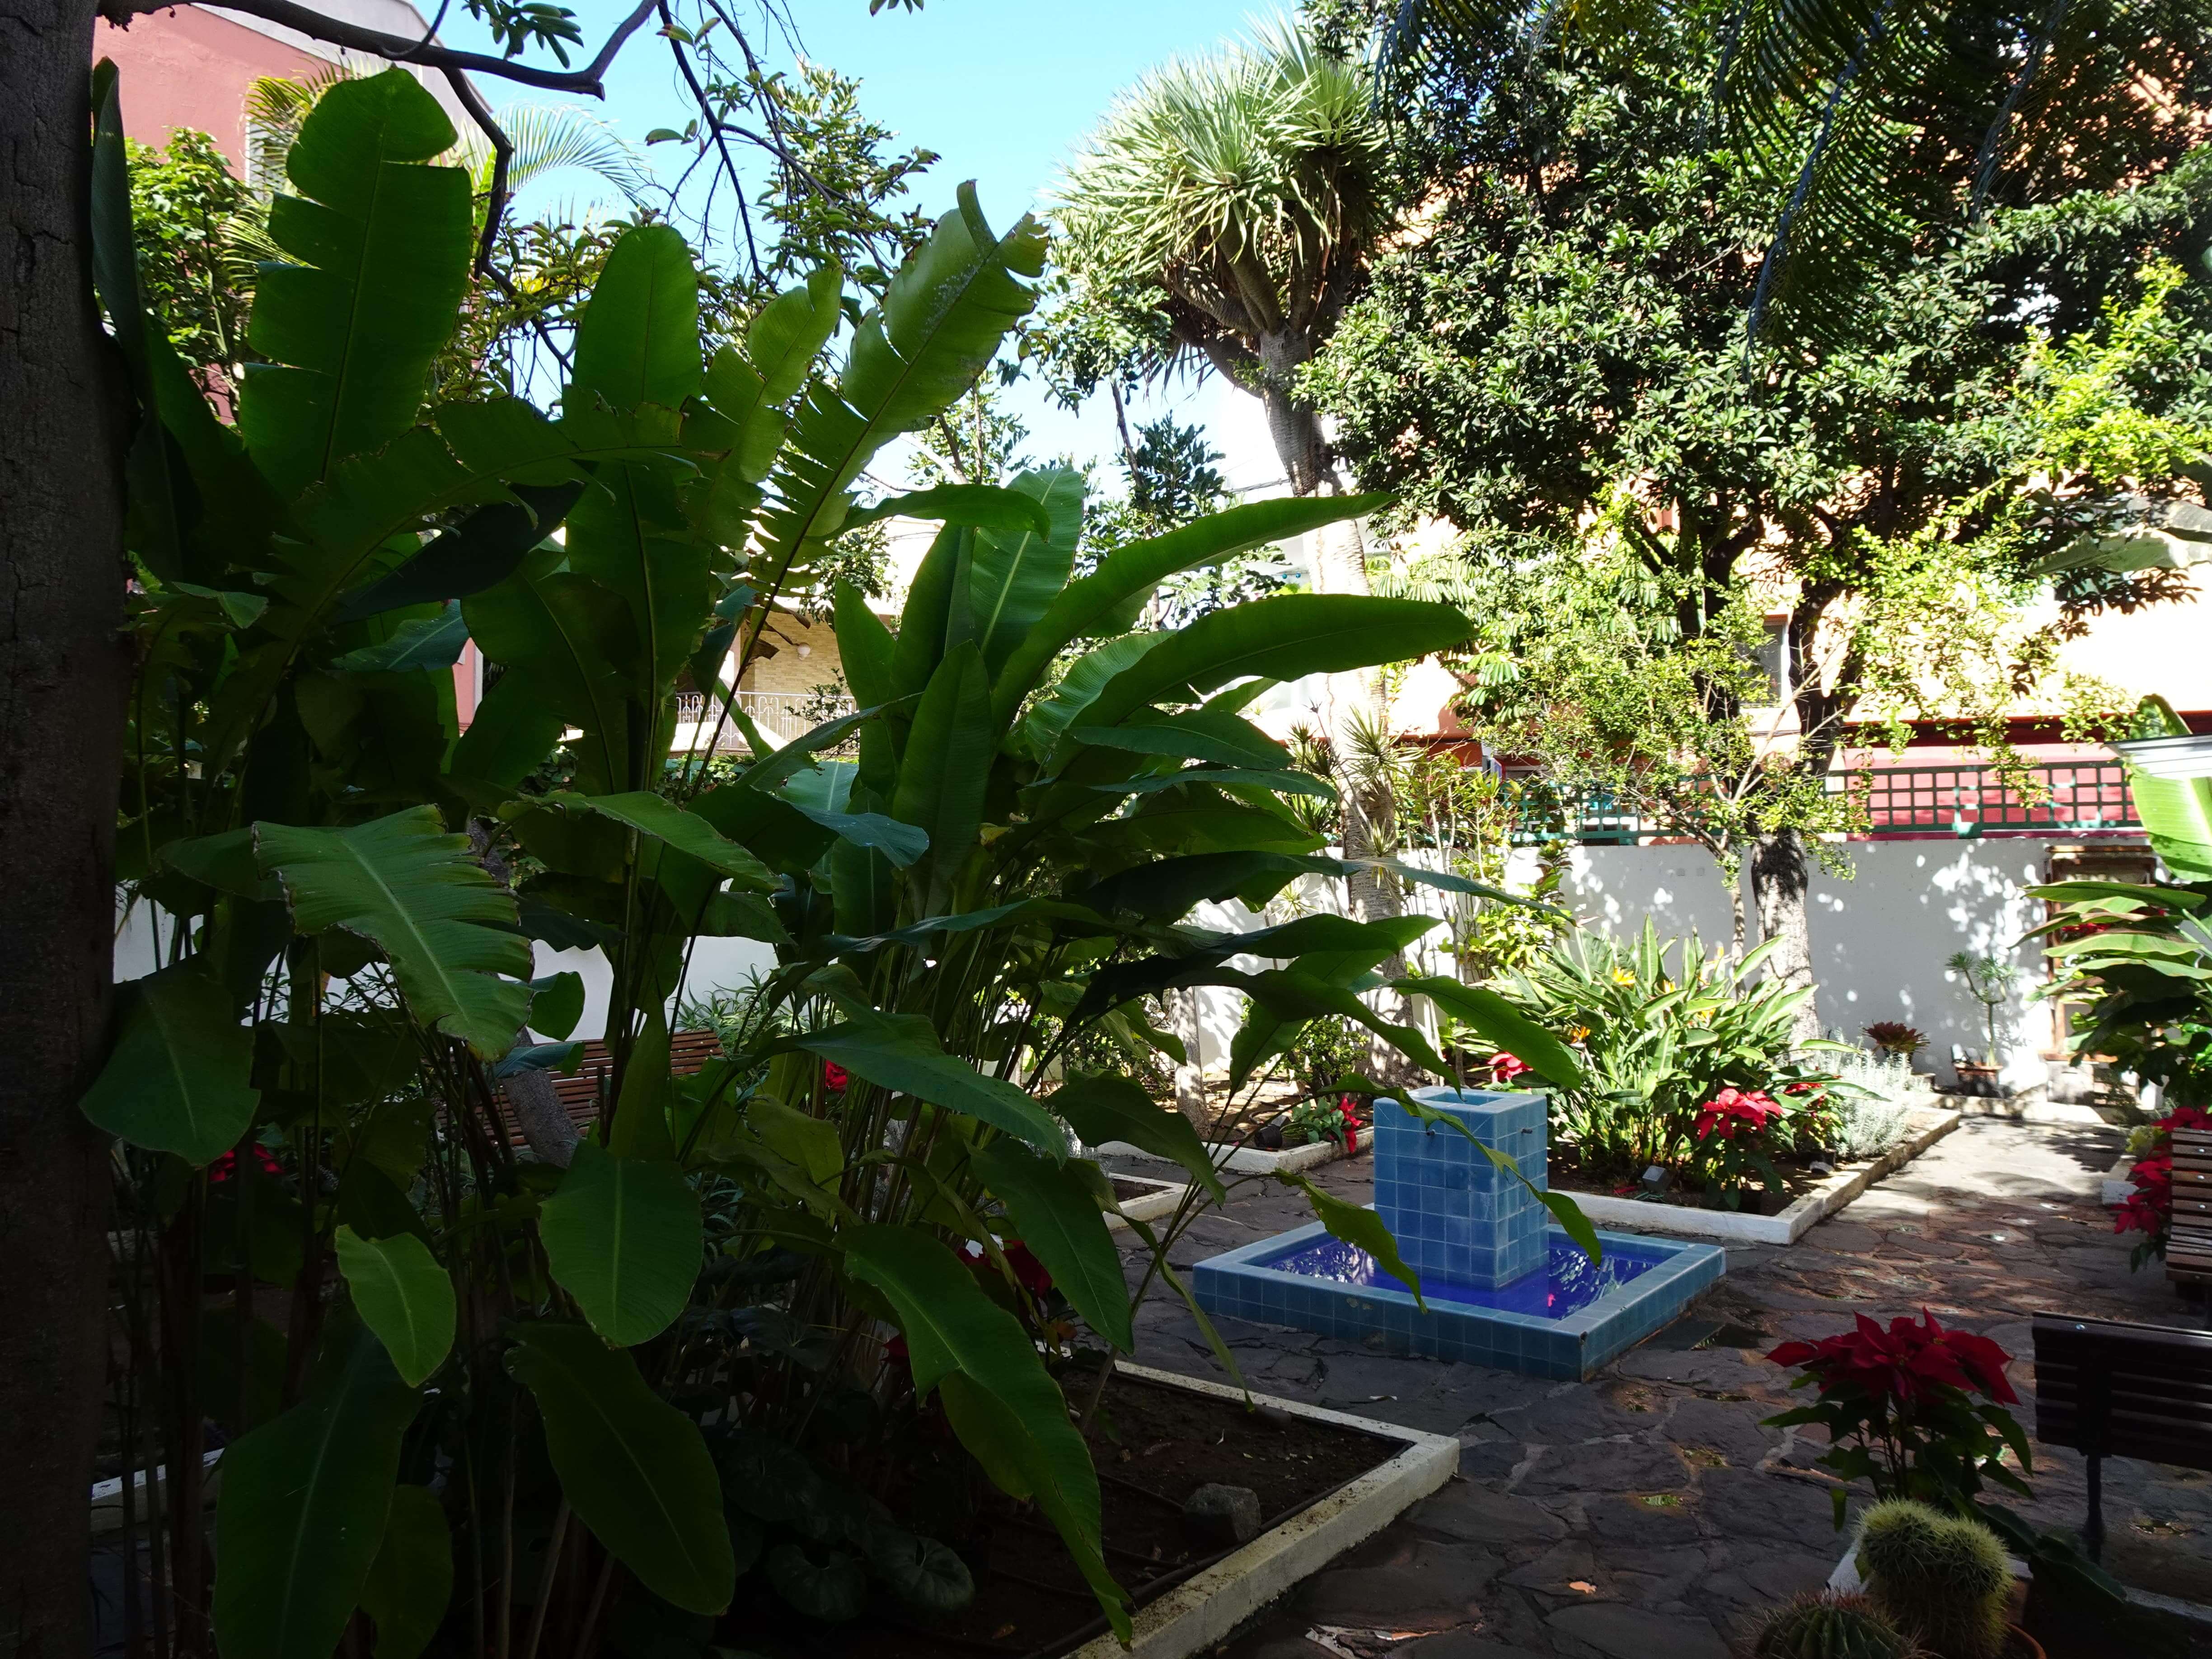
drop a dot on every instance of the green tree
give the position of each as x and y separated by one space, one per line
1220 217
1566 334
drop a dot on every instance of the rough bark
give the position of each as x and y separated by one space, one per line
1183 1011
63 680
1780 881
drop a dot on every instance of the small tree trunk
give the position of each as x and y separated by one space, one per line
64 675
1183 1012
1732 862
1781 883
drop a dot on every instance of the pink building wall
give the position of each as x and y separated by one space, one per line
189 68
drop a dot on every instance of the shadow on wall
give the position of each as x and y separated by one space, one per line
1880 938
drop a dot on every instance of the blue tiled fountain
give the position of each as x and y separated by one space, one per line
1503 1287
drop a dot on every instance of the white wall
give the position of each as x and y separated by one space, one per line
1880 936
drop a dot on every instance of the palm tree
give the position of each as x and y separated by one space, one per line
1220 217
1234 199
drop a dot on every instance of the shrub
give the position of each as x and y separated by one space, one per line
1943 1577
2149 1209
1664 1029
1915 1410
1872 1097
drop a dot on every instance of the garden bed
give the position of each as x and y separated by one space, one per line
1140 1197
1816 1201
1325 1481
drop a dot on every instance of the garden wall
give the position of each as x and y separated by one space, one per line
1879 938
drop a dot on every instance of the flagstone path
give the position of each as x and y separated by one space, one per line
1648 1514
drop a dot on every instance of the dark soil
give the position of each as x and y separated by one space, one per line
1798 1177
1153 1446
1128 1187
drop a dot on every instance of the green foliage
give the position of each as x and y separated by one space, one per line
190 211
948 910
1943 1577
1661 1028
1827 1626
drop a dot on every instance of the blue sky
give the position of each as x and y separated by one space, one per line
1003 91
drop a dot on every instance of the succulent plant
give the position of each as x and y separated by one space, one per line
1830 1626
1944 1579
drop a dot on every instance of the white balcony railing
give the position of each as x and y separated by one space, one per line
780 715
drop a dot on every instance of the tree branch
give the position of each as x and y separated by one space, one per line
400 49
502 152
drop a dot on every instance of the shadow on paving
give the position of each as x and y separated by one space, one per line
1647 1513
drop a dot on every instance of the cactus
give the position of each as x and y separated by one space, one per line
1945 1580
1830 1626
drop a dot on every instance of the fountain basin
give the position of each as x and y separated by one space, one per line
1500 1284
1565 1320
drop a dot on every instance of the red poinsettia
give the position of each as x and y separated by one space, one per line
1907 1361
227 1166
1915 1409
1733 1111
834 1077
2148 1210
1505 1068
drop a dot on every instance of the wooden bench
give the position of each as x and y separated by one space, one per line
581 1091
2111 1389
2188 1240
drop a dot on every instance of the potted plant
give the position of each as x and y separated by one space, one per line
1988 980
1894 1037
1828 1625
1944 1579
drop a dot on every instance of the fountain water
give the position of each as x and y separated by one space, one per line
1502 1286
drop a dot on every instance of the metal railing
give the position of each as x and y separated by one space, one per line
2058 796
780 715
1965 800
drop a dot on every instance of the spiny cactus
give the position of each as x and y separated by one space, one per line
1830 1626
1944 1579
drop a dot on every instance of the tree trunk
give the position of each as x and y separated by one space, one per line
1780 882
1181 1004
1339 566
63 679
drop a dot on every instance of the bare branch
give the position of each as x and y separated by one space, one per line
401 49
502 152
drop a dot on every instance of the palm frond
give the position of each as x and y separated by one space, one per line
549 137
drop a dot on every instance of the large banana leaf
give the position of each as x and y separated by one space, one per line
940 324
948 765
421 896
304 1503
402 1295
900 1051
178 1078
1082 608
623 1236
349 333
1056 1214
636 1470
1280 638
2176 812
1016 572
638 340
953 1327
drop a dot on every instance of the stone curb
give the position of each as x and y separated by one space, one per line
1203 1610
1252 1160
1150 1207
1730 1227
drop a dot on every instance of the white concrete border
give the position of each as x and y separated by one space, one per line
1252 1160
1204 1609
1161 1200
1733 1227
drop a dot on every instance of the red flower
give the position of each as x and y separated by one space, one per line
1505 1068
1027 1269
227 1166
1908 1361
834 1077
1750 1109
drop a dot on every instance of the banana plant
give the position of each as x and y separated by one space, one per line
472 1394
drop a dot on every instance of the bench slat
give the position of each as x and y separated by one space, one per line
2155 1383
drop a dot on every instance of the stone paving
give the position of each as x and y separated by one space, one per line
1647 1513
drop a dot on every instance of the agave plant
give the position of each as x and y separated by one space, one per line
765 1297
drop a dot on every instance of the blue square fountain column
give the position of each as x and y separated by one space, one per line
1455 1214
